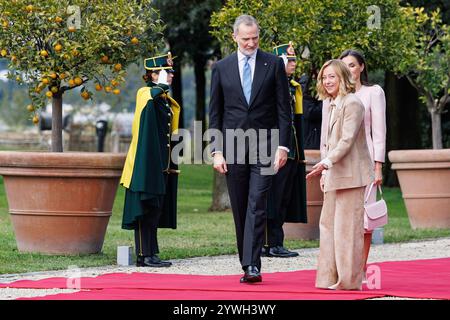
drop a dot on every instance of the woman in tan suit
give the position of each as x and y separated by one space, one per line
348 170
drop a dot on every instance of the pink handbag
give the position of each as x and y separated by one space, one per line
375 214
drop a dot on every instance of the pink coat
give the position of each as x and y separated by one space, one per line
374 102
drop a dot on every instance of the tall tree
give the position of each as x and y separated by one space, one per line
432 5
189 38
378 28
426 65
406 120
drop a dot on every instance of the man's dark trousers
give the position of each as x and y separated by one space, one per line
248 196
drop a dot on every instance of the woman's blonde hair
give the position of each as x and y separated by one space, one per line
346 83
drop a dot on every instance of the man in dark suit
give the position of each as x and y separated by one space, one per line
249 92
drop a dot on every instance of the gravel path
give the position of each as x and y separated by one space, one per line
438 248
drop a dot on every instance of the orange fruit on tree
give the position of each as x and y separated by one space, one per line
75 52
98 87
62 76
54 89
58 47
114 83
116 91
71 83
35 119
117 67
85 95
44 53
39 88
53 75
104 59
49 94
108 89
13 58
45 81
30 108
3 53
78 81
134 40
58 19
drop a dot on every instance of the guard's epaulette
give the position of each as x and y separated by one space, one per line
295 83
157 90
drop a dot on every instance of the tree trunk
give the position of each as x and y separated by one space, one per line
57 140
403 119
436 128
220 200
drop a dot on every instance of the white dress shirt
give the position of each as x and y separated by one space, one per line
241 62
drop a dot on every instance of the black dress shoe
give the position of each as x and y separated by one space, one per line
152 261
281 252
251 275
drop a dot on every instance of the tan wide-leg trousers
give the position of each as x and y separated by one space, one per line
340 264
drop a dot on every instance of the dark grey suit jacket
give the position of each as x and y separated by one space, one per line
269 102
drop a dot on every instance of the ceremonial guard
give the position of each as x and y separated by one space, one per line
287 196
149 175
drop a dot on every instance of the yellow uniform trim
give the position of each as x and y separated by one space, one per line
298 97
142 97
176 109
159 68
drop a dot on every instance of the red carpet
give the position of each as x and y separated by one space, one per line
414 279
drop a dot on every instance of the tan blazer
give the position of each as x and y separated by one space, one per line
347 149
374 102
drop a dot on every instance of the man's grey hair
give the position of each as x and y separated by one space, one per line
244 19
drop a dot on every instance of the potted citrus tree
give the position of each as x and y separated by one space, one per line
424 175
61 202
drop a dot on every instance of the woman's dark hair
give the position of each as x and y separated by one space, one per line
148 75
361 60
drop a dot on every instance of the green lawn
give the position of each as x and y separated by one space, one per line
199 233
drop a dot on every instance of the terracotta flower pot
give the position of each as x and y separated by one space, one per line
424 177
60 203
314 197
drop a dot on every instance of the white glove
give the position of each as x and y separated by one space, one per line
285 59
163 77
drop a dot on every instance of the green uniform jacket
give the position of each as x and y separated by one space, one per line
296 208
149 176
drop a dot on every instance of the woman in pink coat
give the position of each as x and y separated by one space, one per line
374 101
